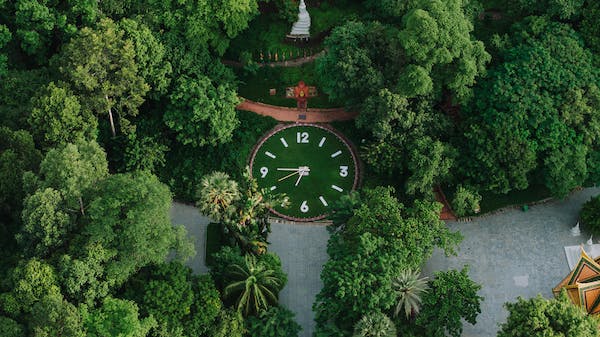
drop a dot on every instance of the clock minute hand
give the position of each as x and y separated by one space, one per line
289 175
299 177
287 169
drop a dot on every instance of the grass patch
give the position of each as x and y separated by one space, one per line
214 241
491 201
325 170
256 86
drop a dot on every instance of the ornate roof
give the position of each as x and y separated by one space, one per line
583 284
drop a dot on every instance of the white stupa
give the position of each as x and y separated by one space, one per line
302 26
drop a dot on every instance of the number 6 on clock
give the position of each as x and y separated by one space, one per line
304 207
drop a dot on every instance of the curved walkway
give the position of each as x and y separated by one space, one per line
285 114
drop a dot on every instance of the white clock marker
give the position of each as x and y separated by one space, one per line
283 142
270 154
337 188
323 201
273 188
322 142
336 154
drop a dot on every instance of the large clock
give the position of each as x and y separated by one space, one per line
313 164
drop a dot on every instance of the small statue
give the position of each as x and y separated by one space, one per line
575 230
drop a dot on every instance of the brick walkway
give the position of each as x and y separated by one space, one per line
285 114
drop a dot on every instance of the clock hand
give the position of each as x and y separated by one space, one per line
299 177
289 175
287 169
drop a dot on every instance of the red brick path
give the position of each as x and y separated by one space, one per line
286 114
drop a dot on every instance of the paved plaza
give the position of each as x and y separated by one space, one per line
514 253
511 253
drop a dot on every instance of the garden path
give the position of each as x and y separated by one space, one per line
289 63
302 249
285 114
514 253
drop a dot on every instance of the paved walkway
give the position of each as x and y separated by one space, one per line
285 114
514 253
302 249
511 253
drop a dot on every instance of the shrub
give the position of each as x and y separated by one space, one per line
275 322
590 215
466 201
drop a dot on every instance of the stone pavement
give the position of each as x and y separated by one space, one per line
302 249
511 253
514 253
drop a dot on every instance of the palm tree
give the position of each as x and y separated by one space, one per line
216 196
409 287
254 286
375 324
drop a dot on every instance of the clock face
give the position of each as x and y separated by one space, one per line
312 164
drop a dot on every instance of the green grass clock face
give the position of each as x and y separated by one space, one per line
312 164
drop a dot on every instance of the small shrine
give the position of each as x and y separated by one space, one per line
583 284
301 93
301 28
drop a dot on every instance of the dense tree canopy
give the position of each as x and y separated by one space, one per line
381 238
537 112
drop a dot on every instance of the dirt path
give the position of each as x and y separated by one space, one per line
285 114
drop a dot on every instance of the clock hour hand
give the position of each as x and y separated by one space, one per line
299 177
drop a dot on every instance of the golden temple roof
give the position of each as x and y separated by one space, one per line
583 284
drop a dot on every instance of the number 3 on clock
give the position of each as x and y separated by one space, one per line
343 171
302 137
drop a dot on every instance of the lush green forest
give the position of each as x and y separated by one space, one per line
111 109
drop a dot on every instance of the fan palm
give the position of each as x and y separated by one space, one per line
253 286
374 324
409 288
216 196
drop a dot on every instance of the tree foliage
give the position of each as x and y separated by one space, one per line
452 298
57 118
374 324
100 65
536 113
590 215
544 317
378 241
116 317
274 322
202 112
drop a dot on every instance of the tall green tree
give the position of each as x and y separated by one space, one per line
537 113
57 118
54 316
46 223
217 196
74 170
116 317
452 298
253 286
29 282
202 112
100 65
543 317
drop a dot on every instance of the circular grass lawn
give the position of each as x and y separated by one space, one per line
328 161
